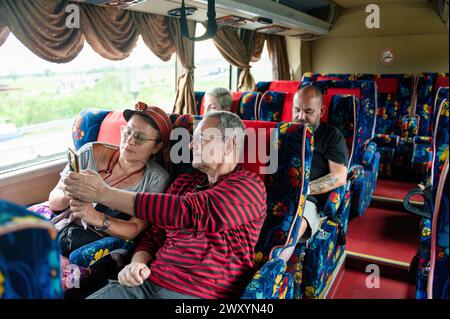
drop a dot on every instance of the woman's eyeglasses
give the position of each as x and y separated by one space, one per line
139 138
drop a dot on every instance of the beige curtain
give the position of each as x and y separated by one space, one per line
111 32
4 33
155 31
277 48
234 51
51 40
185 101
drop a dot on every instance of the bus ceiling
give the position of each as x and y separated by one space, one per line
281 17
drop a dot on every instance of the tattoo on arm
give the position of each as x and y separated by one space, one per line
323 185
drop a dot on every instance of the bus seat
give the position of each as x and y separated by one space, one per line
29 255
248 107
366 93
439 264
442 94
278 278
427 88
262 86
309 77
199 99
271 106
433 230
288 87
263 131
343 113
387 146
394 93
86 126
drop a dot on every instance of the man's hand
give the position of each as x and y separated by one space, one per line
86 212
87 186
134 274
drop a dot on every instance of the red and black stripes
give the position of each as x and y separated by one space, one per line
210 235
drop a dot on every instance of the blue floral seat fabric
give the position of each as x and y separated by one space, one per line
394 93
427 88
286 191
438 287
309 77
249 105
271 106
87 125
440 229
366 92
29 255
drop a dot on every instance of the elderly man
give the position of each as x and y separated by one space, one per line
204 229
330 157
218 99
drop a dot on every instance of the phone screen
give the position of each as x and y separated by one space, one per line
73 160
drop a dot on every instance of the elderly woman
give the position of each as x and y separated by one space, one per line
131 167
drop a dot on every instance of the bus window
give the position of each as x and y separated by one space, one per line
211 69
262 70
39 100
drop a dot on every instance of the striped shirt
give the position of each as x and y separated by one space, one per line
203 240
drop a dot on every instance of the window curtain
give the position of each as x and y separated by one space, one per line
184 48
277 48
4 33
240 52
110 32
155 31
52 41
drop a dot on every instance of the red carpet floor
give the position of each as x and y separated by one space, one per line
384 233
395 189
351 284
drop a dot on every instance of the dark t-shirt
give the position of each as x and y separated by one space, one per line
329 145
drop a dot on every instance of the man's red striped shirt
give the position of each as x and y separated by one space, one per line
203 241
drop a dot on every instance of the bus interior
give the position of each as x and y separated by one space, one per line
69 68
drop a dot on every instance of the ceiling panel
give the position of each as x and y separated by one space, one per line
357 3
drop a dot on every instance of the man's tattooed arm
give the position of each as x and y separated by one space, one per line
324 184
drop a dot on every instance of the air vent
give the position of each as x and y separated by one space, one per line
176 13
114 3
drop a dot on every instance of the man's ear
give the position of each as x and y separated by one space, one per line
322 110
230 145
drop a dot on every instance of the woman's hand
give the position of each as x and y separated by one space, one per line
134 274
86 212
87 186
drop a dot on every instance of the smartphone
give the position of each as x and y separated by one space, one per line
73 160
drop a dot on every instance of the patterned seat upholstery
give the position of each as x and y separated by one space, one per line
438 282
271 106
437 230
29 255
286 189
288 87
366 93
248 107
309 77
428 85
394 94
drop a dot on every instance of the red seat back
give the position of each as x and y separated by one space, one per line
262 131
110 129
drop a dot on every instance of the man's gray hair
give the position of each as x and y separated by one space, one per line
223 96
231 126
